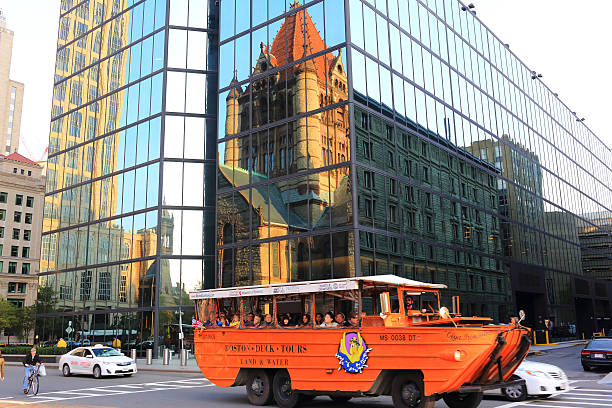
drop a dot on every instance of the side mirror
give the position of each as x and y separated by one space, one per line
444 313
521 315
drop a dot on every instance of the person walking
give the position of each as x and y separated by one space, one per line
1 366
29 364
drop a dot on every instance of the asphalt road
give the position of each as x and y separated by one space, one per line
178 390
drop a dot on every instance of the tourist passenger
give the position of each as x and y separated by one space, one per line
222 321
249 320
212 321
352 321
235 321
268 321
328 320
340 319
305 321
318 319
285 321
256 321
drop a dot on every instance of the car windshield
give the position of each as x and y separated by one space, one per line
605 344
106 352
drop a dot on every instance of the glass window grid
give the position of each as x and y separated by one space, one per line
501 105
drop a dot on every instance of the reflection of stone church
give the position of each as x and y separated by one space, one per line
306 200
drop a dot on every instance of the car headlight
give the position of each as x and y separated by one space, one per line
537 373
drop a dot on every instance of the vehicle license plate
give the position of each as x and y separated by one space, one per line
598 355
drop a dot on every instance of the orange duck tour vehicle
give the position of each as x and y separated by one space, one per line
381 335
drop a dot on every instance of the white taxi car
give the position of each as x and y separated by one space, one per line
541 380
98 360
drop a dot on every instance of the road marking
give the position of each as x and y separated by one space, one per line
44 398
6 401
591 389
535 403
588 399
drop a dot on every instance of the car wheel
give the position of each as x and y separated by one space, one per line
284 395
66 370
408 391
259 387
515 393
97 372
462 400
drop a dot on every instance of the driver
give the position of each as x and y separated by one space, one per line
410 303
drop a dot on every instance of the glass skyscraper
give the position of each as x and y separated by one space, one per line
126 200
220 143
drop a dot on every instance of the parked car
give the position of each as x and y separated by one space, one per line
98 360
541 380
597 353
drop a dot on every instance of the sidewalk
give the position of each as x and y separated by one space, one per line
542 348
173 367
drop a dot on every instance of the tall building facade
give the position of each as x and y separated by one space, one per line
126 202
401 136
11 94
330 138
22 189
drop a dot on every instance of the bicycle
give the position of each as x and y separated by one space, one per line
33 381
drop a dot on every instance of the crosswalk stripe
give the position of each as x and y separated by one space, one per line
592 389
586 395
536 403
588 399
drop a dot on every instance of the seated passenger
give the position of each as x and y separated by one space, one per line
212 320
352 321
285 321
305 321
340 319
328 320
222 321
256 321
235 321
267 321
249 321
318 319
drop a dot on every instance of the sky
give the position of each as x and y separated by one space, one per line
568 42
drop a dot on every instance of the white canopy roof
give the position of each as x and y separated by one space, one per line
328 285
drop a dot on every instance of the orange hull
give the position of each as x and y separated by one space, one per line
309 355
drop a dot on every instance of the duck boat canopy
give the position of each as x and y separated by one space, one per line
320 286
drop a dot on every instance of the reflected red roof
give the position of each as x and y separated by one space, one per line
288 45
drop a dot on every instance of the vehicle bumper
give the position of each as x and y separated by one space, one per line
115 370
540 386
596 362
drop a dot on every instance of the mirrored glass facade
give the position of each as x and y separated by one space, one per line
126 202
360 137
202 143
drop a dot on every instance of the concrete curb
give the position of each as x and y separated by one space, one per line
556 346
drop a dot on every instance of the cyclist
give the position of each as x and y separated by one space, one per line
29 364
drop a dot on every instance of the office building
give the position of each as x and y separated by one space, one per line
22 189
125 199
362 137
11 94
330 138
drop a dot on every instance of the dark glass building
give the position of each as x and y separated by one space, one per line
401 136
201 143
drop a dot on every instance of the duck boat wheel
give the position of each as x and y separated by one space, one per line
398 340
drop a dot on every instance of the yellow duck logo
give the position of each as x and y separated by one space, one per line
352 353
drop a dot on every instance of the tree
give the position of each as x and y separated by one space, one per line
7 314
28 321
45 303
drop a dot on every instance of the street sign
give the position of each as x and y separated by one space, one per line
69 330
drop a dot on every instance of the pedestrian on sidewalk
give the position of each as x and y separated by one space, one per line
1 366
